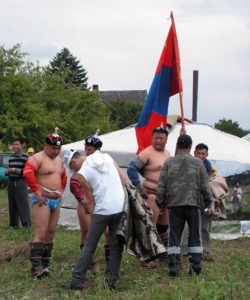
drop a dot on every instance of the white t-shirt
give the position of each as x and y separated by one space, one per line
102 175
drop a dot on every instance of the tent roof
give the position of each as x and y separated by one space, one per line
223 147
247 137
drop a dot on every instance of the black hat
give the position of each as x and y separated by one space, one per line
54 140
184 141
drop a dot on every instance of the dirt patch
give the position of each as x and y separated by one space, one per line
11 250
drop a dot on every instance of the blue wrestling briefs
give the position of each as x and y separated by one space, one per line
53 204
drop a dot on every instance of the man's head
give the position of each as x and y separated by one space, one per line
53 145
72 159
184 143
92 143
17 145
201 151
159 138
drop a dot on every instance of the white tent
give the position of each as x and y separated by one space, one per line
247 137
230 154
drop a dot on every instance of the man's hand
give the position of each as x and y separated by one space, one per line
88 208
40 198
183 131
10 170
142 191
208 211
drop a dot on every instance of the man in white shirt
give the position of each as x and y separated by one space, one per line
102 182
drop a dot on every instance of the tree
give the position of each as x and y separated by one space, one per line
67 65
230 126
124 113
34 101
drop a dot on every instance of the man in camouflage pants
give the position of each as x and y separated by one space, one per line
183 187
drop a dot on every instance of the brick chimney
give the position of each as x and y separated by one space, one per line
95 88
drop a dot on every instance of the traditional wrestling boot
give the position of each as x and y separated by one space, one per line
36 251
47 250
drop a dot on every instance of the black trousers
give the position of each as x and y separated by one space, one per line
97 227
178 215
18 203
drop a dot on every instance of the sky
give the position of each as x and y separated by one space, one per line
119 44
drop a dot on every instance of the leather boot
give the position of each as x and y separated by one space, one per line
36 251
47 250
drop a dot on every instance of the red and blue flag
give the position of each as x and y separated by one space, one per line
166 83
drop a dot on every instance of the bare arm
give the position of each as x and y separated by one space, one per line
121 174
88 192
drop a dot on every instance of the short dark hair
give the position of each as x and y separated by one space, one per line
160 130
184 141
18 139
201 146
76 155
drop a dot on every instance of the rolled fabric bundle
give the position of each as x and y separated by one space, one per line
2 174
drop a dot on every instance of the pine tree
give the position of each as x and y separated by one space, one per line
67 65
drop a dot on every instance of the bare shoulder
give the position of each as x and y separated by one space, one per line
167 153
146 153
38 157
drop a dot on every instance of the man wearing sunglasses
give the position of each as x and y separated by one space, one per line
46 177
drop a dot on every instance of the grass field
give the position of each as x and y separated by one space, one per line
226 278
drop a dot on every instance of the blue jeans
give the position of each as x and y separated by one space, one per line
96 229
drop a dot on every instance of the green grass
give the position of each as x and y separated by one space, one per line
227 278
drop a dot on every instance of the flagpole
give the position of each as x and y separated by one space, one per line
178 69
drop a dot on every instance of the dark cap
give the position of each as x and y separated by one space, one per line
93 141
184 141
54 139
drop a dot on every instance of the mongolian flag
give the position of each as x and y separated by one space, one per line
166 83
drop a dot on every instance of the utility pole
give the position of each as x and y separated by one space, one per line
195 94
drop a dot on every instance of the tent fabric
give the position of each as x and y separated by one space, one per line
230 155
247 137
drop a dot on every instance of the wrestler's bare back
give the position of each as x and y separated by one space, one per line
49 171
154 161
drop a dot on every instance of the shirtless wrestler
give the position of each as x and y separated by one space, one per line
46 177
148 164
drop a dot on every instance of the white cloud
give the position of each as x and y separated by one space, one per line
119 44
